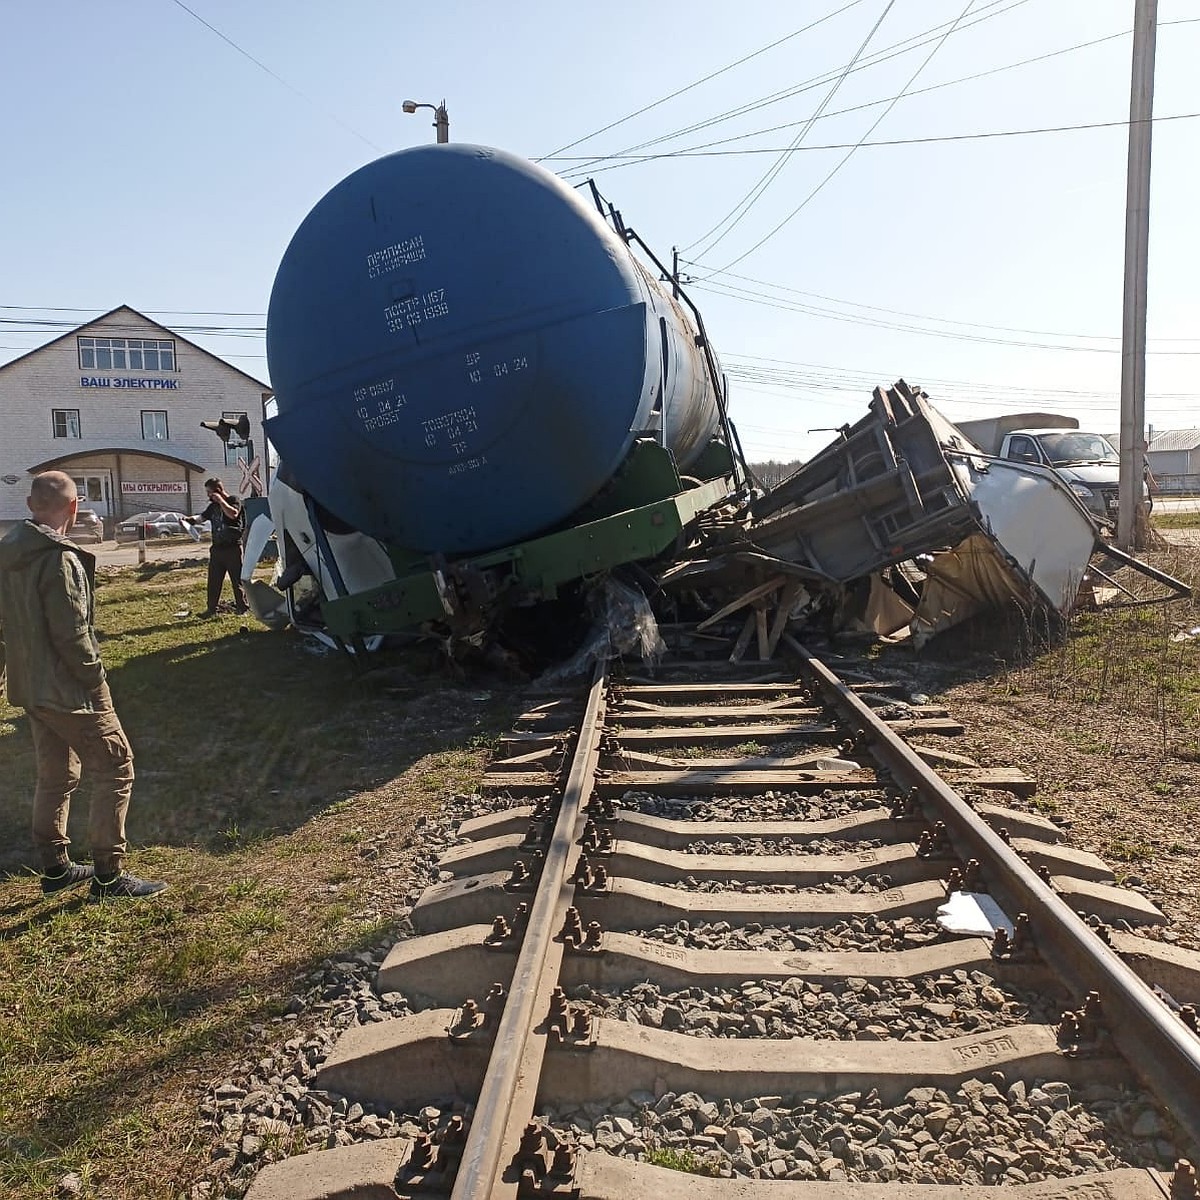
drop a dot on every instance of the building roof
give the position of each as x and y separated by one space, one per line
149 321
1176 439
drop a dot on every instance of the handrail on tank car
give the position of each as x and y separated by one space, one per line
731 440
741 470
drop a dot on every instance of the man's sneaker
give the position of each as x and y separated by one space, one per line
66 876
123 887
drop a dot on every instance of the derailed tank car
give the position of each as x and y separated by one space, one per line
474 371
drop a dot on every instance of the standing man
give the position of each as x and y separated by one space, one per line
48 644
225 556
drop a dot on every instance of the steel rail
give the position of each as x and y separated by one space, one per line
1162 1051
482 1163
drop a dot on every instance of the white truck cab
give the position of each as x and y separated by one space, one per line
1086 461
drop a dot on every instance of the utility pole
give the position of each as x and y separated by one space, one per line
1131 517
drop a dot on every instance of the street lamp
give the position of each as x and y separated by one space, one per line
441 118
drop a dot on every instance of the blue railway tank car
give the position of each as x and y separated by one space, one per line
464 353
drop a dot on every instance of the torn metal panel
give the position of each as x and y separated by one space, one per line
903 484
1031 548
883 492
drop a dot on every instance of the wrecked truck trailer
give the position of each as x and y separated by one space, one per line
902 524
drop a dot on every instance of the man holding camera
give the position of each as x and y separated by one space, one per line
225 556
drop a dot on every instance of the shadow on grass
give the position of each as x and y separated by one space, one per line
240 735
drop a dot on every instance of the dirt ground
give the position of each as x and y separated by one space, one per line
1138 809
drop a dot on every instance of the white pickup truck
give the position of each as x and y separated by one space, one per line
1086 461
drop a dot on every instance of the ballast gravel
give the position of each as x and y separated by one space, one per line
265 1109
834 885
926 1009
989 1131
770 806
764 846
870 933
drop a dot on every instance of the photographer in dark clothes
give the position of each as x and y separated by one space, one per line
225 556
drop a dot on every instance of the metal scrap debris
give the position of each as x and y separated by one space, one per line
902 528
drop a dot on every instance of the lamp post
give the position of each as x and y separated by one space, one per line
441 118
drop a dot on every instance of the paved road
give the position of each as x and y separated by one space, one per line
158 550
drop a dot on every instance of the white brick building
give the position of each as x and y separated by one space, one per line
117 404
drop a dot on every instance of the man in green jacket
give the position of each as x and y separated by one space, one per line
49 651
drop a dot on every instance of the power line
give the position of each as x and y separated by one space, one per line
703 79
1098 337
824 377
278 78
97 309
914 42
841 112
851 152
912 141
747 202
785 305
933 87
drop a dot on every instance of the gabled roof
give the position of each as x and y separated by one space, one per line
149 321
1176 439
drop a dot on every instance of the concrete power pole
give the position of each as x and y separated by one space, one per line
1131 518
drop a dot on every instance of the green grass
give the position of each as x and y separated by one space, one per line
262 770
1177 520
1120 674
681 1159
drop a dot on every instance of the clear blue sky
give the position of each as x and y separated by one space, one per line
149 161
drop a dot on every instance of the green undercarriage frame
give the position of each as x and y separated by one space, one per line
648 508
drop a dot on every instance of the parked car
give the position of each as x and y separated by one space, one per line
159 524
88 527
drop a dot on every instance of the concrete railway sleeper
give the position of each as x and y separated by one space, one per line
694 949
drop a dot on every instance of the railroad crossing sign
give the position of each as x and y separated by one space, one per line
251 484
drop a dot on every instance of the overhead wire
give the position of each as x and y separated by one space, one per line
627 159
842 112
914 141
1098 337
769 371
702 80
735 215
853 150
990 9
278 78
785 305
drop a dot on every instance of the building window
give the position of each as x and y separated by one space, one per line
66 422
126 354
235 451
154 426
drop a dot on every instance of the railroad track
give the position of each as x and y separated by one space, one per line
696 950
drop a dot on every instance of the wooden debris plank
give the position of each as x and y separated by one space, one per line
786 599
755 593
743 640
760 629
